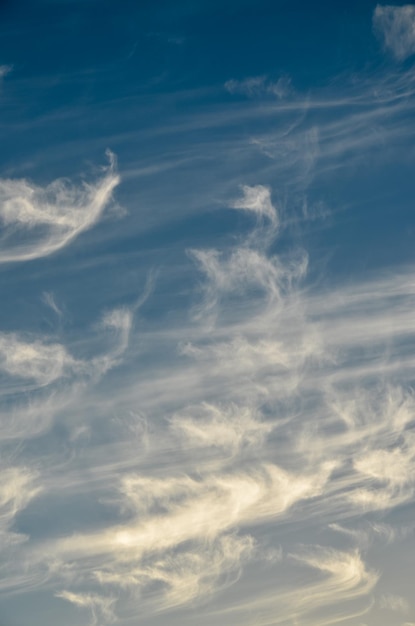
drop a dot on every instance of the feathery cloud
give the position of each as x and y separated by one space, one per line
38 221
100 607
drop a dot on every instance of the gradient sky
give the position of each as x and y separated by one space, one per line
207 328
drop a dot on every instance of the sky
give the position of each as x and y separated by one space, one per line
207 331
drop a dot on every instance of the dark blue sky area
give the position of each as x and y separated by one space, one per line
187 44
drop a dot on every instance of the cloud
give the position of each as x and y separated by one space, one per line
347 578
260 85
17 488
5 70
231 452
396 27
324 595
257 199
100 607
50 301
182 541
246 268
195 509
44 362
229 428
119 321
38 221
270 423
40 378
186 577
35 361
394 603
19 485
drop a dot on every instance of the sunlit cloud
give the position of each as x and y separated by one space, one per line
98 606
38 221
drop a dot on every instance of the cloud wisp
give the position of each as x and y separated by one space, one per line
260 85
38 221
5 70
40 378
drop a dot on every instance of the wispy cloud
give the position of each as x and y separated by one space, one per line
257 200
38 221
43 378
260 85
208 444
50 301
5 70
394 603
99 606
396 27
36 361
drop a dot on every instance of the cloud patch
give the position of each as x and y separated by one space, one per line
5 70
396 27
260 85
395 603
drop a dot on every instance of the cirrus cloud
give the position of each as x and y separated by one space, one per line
37 221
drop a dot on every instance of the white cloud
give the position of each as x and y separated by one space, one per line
182 536
189 576
196 509
244 271
229 428
337 578
40 362
44 362
258 200
347 577
50 301
100 607
40 379
119 321
17 488
38 221
396 26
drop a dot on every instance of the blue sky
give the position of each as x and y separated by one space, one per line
206 322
